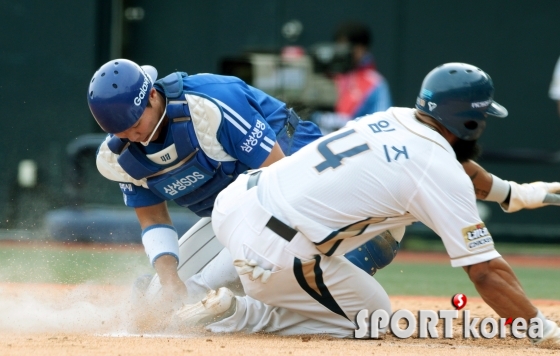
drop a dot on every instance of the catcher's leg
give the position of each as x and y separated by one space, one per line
377 252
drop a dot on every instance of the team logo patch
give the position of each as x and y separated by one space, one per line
426 94
481 104
477 236
183 182
431 105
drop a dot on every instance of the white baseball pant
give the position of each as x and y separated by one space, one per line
306 292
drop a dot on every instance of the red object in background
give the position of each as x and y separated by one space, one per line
459 301
292 52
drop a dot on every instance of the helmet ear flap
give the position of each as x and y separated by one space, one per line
471 125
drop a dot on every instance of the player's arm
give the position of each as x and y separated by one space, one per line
161 244
481 180
510 195
276 154
245 135
497 284
159 237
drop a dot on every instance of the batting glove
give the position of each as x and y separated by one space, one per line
532 195
250 267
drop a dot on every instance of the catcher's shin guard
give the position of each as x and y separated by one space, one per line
374 254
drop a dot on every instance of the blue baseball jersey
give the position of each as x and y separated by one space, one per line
234 125
251 118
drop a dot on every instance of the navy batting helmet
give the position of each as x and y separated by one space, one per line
118 94
460 96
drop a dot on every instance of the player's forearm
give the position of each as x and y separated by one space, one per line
174 291
166 268
510 195
165 259
153 215
498 286
481 179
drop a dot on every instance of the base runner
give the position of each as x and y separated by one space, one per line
384 172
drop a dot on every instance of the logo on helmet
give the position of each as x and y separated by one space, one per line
481 104
143 90
432 106
425 93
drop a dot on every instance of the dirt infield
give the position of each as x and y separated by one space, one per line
90 320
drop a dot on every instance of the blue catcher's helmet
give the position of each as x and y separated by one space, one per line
459 96
118 94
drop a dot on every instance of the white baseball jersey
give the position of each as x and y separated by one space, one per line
386 170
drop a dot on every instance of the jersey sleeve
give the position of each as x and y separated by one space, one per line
243 132
137 197
446 203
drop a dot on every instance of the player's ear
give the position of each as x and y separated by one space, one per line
152 98
153 93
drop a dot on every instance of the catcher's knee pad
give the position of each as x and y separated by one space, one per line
374 254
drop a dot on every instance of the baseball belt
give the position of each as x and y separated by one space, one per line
277 226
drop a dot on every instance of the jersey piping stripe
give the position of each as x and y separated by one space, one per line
269 141
490 248
234 123
232 112
265 147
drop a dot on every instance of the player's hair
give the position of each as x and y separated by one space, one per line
355 32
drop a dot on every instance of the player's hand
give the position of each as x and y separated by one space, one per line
253 270
532 195
174 294
153 315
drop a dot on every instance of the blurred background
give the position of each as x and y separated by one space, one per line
49 186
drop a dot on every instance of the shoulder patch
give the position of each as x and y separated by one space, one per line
477 236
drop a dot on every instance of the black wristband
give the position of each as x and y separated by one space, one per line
506 201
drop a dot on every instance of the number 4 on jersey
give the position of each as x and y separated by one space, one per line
333 160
